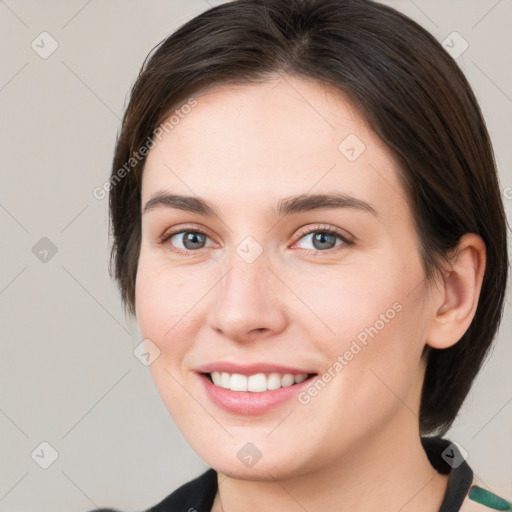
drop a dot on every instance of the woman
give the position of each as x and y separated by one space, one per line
308 226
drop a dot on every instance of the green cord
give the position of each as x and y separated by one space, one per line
488 499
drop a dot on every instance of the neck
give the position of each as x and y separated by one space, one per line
387 473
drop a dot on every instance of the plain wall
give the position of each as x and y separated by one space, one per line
68 375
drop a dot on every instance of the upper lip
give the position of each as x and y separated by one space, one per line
250 369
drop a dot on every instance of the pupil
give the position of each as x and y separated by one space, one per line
191 239
320 237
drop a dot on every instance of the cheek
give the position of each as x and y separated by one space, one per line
165 297
374 326
340 304
167 308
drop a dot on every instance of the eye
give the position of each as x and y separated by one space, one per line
324 239
185 241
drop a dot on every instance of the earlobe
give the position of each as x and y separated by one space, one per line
456 305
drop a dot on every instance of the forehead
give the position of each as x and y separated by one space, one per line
269 140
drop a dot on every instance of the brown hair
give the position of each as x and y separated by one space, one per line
410 91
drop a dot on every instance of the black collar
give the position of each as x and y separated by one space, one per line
446 458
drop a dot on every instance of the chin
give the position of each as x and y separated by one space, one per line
257 460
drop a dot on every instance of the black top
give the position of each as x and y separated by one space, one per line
199 494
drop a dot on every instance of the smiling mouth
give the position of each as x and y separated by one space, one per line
256 383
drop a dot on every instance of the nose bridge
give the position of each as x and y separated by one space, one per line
246 301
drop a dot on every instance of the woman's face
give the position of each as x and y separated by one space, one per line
249 282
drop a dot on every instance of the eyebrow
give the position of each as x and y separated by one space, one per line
286 206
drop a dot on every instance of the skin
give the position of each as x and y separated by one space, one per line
356 445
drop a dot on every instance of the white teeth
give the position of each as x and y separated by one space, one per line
256 383
300 378
238 382
224 380
287 380
274 381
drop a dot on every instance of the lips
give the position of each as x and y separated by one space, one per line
252 389
251 369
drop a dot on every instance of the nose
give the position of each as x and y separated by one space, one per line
248 302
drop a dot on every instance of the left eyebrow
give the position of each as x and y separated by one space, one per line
309 202
286 206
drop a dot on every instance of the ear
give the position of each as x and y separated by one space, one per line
457 298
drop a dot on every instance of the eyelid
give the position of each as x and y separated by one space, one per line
167 234
325 227
346 238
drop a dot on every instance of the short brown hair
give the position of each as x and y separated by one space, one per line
410 91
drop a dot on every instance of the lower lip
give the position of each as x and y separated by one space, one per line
247 402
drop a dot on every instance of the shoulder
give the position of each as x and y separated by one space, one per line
482 499
196 495
465 492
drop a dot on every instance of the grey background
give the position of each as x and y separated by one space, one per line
68 375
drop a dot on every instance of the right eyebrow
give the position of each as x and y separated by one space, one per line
186 203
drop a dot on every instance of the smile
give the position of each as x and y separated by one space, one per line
252 389
257 383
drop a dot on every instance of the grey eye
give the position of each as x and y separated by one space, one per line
321 240
190 240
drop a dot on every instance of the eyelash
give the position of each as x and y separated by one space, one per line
317 229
